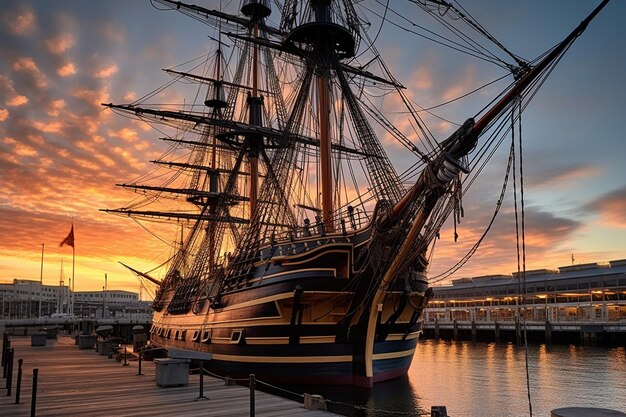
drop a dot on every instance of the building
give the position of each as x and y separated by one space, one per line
21 299
112 302
594 292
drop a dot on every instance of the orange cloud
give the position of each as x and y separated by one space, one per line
130 96
24 150
20 22
107 72
60 44
4 114
55 107
422 79
17 101
126 134
571 175
94 97
51 127
28 65
67 70
611 208
105 160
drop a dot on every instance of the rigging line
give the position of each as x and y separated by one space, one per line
160 265
476 245
429 137
427 109
520 237
471 43
521 175
153 234
458 48
380 28
391 128
480 28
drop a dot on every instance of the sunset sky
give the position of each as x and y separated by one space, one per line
61 153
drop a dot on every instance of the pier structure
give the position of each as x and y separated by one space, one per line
79 382
574 304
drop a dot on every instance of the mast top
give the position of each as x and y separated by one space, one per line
322 32
256 9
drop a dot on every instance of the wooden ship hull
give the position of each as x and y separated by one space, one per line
290 325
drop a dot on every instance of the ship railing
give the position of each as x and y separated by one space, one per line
345 221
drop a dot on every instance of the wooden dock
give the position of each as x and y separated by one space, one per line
74 382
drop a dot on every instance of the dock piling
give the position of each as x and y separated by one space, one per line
474 331
456 330
5 344
10 354
5 355
33 398
252 387
139 363
18 385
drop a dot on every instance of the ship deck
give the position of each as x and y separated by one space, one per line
74 382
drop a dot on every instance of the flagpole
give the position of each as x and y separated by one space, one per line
41 281
73 266
69 240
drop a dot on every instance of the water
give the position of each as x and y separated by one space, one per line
489 380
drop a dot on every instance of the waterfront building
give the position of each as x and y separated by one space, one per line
21 298
108 303
587 294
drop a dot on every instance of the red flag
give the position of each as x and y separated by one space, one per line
69 240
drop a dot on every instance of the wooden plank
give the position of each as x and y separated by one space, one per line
79 382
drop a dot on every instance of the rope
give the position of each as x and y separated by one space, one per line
520 240
377 411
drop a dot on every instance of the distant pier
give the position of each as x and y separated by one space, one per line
537 332
583 304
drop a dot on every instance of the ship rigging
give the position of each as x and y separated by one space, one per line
305 244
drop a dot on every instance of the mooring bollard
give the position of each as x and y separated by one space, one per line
33 397
252 387
10 354
18 386
201 382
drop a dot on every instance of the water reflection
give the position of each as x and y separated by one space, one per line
489 380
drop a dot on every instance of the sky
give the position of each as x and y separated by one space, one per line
61 154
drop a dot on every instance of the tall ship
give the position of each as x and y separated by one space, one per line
303 247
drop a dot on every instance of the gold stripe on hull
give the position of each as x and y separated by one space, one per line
282 359
307 359
393 355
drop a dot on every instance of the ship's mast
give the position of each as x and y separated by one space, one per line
326 171
255 10
214 175
322 15
329 41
